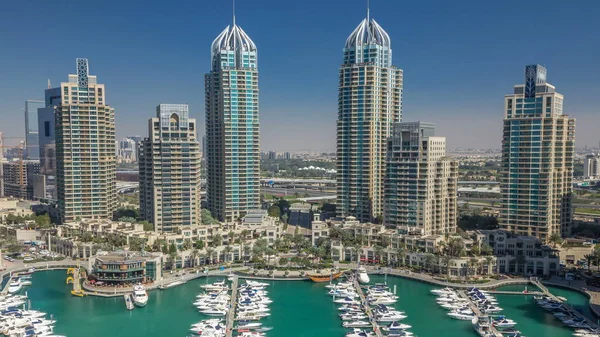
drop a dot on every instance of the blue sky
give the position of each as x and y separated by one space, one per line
459 59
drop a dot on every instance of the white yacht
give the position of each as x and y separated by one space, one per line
382 300
140 296
15 286
390 317
363 277
359 333
461 316
356 324
395 326
217 286
346 300
256 284
353 316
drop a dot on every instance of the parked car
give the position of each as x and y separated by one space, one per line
29 258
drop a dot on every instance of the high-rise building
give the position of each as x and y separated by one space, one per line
272 155
32 146
232 128
537 159
169 166
85 148
591 166
369 103
47 141
126 150
421 182
19 178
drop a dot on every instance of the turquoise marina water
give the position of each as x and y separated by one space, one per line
299 309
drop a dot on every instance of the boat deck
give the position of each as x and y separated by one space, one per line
477 312
232 303
367 307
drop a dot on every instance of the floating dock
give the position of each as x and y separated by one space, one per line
367 307
232 303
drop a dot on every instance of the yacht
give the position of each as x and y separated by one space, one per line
445 291
359 333
461 316
356 324
395 326
217 286
346 300
363 277
382 300
353 316
214 312
390 317
256 283
140 296
15 286
504 323
490 309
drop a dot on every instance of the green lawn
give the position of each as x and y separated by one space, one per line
587 210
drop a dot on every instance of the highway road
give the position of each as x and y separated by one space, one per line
497 202
301 191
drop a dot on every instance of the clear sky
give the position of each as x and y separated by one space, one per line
459 59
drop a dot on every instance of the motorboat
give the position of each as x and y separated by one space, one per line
15 286
353 316
395 326
256 283
214 312
390 317
383 300
504 323
461 316
363 277
356 324
444 291
491 309
140 296
220 285
359 333
346 300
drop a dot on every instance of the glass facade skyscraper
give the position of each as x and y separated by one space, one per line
537 159
232 127
85 148
32 146
369 103
169 167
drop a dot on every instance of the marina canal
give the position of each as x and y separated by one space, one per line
299 308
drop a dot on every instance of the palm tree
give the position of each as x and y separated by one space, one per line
488 261
589 258
429 259
472 263
194 256
209 253
447 259
228 250
401 254
555 239
247 250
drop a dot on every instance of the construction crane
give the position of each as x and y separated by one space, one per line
21 146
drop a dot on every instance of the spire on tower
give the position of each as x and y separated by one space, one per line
368 10
49 85
233 10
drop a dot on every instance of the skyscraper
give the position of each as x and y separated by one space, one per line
232 129
19 178
47 142
537 159
591 166
369 103
420 182
169 166
32 146
85 148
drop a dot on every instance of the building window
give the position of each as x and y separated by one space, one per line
47 129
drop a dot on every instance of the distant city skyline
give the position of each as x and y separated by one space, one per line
453 73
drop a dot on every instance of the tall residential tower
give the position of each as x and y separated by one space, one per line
369 103
169 166
420 182
537 159
32 145
85 148
232 129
